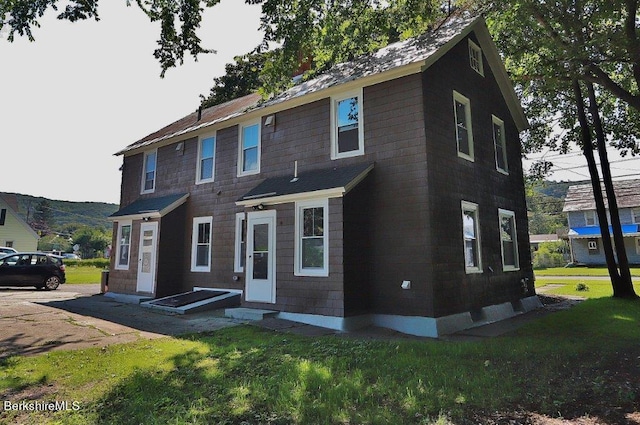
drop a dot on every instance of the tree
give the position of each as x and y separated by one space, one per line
42 218
240 78
175 41
554 52
92 241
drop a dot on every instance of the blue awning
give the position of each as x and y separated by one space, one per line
594 231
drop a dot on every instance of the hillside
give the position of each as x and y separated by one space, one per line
92 214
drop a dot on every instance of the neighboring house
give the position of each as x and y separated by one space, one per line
14 231
585 239
388 191
536 240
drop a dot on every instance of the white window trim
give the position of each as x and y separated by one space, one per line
122 224
633 219
240 150
511 214
503 142
592 245
199 164
144 172
194 243
595 218
240 223
638 246
467 109
298 269
334 125
474 47
470 206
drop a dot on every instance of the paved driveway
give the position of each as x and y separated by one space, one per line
77 316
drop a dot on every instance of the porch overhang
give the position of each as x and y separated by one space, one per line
326 183
147 208
589 232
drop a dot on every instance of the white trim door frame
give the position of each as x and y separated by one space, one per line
146 281
261 257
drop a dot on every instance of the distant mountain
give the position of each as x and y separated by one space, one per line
92 214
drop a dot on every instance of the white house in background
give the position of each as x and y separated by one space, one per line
584 234
14 231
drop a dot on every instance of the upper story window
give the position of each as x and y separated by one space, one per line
509 240
249 149
149 172
347 132
464 132
590 218
3 216
201 244
500 145
312 241
635 215
471 238
206 159
124 244
475 58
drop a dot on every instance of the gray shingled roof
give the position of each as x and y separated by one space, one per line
421 49
153 207
307 182
580 197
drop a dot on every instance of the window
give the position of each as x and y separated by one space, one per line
464 133
590 218
638 246
249 149
635 215
3 216
201 244
206 159
471 238
149 172
347 134
8 244
592 245
124 245
312 239
475 57
241 244
509 240
500 144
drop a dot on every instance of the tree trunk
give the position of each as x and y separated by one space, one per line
624 287
587 147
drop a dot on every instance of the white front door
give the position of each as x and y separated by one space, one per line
261 259
147 258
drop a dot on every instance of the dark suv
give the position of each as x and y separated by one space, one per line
44 271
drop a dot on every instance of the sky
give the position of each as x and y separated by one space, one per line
82 91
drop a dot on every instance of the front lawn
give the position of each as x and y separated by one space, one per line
79 274
580 271
583 361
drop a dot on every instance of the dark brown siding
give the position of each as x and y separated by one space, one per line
455 179
403 222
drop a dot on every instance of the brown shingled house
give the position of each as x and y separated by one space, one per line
388 191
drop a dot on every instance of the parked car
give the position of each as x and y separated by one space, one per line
4 250
71 256
44 271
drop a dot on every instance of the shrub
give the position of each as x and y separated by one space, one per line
549 254
92 262
581 286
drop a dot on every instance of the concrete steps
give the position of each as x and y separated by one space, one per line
243 313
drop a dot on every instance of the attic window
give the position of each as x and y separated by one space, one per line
475 57
3 215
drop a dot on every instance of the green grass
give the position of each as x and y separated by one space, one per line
83 274
248 375
580 271
596 288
